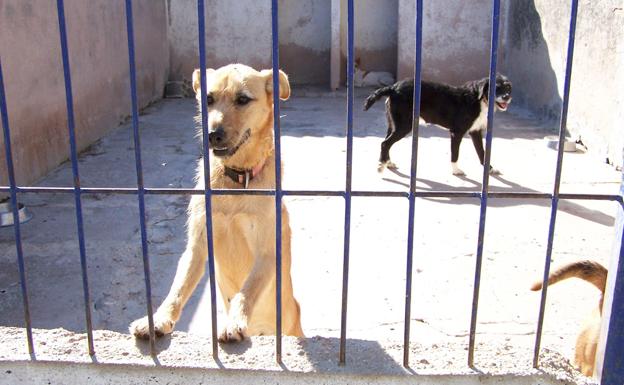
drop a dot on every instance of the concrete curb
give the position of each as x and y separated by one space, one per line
61 358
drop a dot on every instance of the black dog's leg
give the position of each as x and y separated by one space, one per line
397 129
384 157
477 140
455 142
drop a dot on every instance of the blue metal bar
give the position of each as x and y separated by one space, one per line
206 162
139 172
324 193
74 163
486 180
412 192
555 195
278 181
347 226
612 371
14 207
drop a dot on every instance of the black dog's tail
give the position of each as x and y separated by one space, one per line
380 92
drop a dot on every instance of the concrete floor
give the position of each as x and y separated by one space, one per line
314 156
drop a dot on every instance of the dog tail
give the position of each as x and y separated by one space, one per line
377 94
590 271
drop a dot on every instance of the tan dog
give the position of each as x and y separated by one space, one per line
587 341
240 106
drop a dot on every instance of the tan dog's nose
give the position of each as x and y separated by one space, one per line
216 137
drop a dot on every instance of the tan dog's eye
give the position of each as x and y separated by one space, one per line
242 100
209 100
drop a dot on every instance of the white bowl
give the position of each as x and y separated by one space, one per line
6 214
552 141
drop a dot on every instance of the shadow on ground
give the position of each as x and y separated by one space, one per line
564 205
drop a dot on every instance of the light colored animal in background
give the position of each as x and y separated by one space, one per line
363 78
240 105
587 340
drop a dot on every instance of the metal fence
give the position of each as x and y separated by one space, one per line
613 363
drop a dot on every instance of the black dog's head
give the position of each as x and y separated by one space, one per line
503 91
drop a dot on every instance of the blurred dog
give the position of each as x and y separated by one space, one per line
461 110
363 78
587 340
240 106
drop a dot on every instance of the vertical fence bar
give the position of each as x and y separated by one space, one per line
412 195
555 196
347 226
278 180
139 172
201 21
74 162
486 179
611 371
14 207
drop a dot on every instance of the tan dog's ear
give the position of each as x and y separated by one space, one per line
284 85
197 80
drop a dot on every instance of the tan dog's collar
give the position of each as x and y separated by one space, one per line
243 176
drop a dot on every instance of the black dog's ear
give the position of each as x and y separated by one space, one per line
483 89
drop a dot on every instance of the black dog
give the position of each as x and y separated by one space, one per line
459 109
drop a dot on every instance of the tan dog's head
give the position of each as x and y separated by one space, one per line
240 111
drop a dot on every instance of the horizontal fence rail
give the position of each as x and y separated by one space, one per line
613 365
321 193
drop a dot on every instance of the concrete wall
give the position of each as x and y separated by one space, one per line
456 39
33 74
244 31
305 36
376 26
241 32
536 54
236 31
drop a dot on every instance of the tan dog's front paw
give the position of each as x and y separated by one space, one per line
233 332
162 326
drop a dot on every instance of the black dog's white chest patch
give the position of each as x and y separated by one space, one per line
480 123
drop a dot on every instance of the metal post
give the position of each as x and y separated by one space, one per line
206 163
14 207
278 180
347 226
74 162
610 356
486 179
555 195
139 171
412 192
